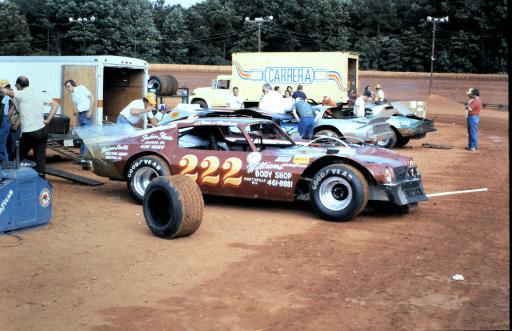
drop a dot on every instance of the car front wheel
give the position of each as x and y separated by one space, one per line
339 192
142 171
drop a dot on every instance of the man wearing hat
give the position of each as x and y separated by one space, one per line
4 121
473 117
139 109
31 106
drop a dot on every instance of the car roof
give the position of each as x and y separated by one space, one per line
223 121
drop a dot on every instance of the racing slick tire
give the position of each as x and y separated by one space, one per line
339 192
173 206
163 85
201 103
401 141
388 143
142 171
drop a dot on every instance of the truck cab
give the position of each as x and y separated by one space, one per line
214 96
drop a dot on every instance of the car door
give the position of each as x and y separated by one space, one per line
218 168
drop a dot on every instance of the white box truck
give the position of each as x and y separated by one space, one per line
320 73
114 80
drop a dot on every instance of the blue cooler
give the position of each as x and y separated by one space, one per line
25 199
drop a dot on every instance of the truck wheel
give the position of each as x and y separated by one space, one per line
142 171
173 206
201 103
388 143
401 141
339 192
163 85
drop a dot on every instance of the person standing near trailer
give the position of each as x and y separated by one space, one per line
84 104
34 133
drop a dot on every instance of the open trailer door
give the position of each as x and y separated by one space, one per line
82 75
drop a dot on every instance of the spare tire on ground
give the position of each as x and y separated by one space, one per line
163 85
173 206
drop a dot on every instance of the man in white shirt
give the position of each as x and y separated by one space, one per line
34 134
359 106
271 101
235 100
84 104
140 109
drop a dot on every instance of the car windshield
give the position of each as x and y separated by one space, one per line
268 135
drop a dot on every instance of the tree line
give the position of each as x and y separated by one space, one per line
390 35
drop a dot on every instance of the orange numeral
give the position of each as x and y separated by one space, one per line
189 163
232 167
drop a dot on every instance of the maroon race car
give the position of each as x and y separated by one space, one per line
254 158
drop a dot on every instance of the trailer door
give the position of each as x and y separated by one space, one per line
82 75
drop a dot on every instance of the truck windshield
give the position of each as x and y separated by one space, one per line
220 84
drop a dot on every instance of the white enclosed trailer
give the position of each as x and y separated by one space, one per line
114 80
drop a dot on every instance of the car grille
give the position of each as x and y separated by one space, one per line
400 172
380 128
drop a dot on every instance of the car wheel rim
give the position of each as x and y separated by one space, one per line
142 178
335 193
383 143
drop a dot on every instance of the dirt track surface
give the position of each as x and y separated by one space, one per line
259 265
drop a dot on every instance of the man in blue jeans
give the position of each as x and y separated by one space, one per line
473 113
6 104
305 114
84 104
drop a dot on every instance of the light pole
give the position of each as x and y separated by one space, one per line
259 21
83 21
434 21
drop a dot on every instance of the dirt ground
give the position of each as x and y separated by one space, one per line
259 265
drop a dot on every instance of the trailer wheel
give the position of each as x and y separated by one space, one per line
142 171
163 85
201 103
173 206
339 192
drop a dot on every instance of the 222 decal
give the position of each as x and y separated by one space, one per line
207 172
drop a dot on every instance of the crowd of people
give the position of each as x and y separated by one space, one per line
22 114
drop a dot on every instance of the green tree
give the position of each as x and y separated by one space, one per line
15 35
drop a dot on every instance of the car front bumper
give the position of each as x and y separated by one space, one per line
401 193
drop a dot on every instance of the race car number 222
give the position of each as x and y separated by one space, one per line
211 172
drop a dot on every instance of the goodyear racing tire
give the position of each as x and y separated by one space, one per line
163 85
142 171
339 192
402 141
201 103
173 206
388 143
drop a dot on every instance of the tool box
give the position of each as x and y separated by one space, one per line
25 198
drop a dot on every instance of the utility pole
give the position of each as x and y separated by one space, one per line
259 21
434 21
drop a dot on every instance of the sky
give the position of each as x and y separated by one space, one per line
184 3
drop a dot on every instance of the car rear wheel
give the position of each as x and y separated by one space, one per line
328 133
173 206
142 171
388 143
339 192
